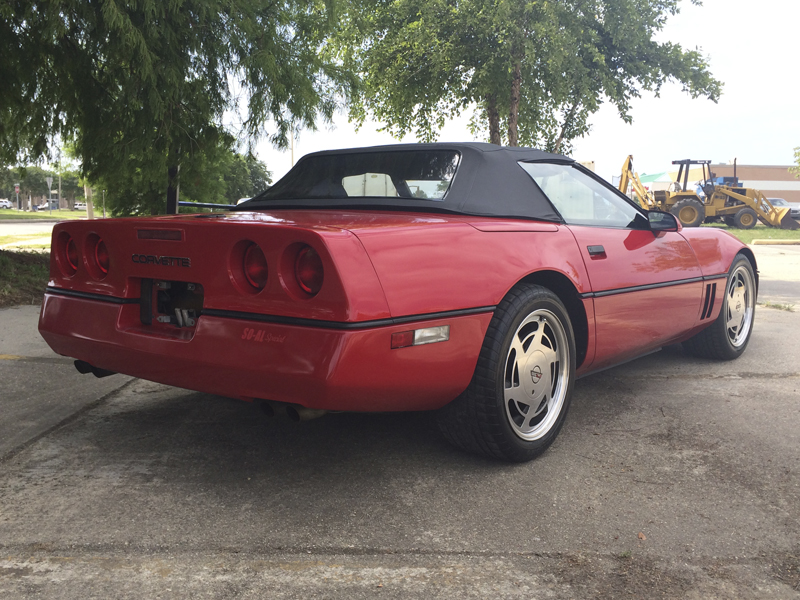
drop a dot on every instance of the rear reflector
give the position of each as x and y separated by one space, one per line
419 337
255 267
160 234
309 271
72 255
101 256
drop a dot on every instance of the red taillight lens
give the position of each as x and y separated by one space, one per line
101 256
72 254
66 254
308 270
255 267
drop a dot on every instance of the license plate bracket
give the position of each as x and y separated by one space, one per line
170 303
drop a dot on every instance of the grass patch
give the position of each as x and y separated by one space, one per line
61 215
759 232
23 277
779 305
16 239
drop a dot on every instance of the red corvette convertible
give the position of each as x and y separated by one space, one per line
474 279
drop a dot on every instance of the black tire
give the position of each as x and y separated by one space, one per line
745 219
727 337
689 211
728 220
532 320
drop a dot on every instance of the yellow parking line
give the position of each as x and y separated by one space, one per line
10 357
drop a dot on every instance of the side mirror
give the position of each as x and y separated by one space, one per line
663 221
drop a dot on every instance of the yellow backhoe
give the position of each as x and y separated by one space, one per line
723 200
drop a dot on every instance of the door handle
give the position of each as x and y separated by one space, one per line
595 250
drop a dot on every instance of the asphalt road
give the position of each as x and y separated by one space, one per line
673 477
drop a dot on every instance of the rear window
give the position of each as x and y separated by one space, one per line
421 175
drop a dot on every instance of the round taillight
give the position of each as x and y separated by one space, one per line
101 256
308 270
72 254
255 267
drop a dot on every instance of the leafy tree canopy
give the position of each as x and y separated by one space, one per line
796 169
33 182
216 175
536 69
142 86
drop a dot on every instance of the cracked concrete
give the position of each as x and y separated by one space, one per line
673 477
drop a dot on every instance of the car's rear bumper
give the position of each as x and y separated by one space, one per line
324 368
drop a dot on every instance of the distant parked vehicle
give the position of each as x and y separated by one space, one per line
80 206
5 203
44 206
794 207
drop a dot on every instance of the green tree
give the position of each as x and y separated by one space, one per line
796 169
216 175
32 182
536 69
141 86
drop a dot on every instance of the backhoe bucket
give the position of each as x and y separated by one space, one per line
787 222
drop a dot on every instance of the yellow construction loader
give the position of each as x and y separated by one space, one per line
723 199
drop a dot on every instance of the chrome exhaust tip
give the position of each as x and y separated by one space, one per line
300 413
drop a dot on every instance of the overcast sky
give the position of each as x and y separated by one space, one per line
752 48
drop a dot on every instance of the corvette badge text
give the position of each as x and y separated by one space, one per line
166 261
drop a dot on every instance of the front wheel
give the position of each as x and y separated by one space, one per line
727 337
519 395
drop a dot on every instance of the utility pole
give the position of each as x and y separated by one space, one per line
104 204
49 181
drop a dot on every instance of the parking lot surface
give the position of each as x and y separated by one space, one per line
673 478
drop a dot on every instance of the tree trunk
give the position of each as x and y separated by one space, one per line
173 189
565 124
494 119
513 108
87 192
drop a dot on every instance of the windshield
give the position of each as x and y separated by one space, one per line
419 175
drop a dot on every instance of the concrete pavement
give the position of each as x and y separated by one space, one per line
673 477
779 272
39 388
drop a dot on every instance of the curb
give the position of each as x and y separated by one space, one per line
775 243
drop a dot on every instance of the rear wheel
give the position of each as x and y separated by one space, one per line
689 211
727 337
728 220
519 395
745 219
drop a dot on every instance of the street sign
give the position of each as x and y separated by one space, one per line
49 181
16 188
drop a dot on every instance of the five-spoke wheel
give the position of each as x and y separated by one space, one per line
740 305
536 374
727 337
519 395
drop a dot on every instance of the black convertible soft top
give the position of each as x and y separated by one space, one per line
488 181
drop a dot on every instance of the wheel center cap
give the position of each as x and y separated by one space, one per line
534 377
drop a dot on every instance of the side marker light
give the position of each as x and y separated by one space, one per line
419 337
